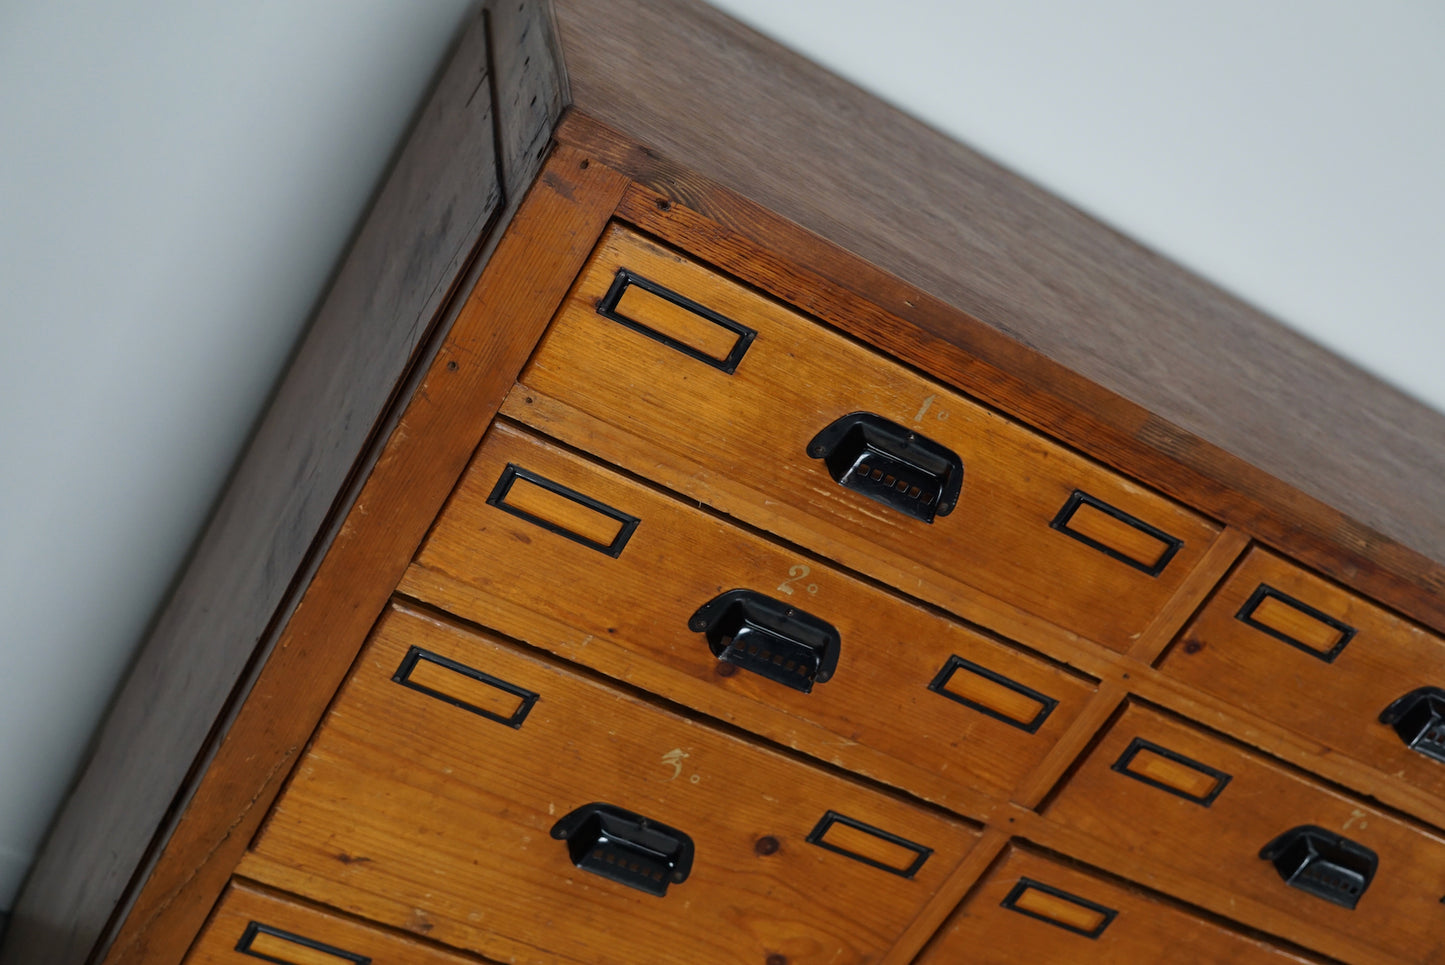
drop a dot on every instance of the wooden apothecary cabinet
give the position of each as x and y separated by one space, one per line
665 548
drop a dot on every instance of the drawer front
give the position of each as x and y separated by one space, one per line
1031 908
435 792
514 553
251 925
1315 658
1171 794
1035 524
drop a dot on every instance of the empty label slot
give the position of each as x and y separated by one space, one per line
1171 772
676 321
1115 533
465 687
1296 623
272 945
1059 908
868 844
563 511
992 694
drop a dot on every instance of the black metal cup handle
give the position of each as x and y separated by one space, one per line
891 464
1322 863
768 637
626 847
1419 719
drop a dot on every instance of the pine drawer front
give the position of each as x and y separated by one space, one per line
1031 908
1166 792
430 798
512 552
252 925
1324 663
1035 525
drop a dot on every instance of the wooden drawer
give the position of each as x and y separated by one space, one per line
1036 524
532 544
1319 660
251 924
431 794
1175 795
1031 908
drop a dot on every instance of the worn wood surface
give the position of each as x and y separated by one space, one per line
398 814
1336 703
245 904
752 427
946 899
1006 374
438 203
1219 842
954 231
524 280
1145 928
628 617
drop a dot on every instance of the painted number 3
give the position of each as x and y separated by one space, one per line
796 573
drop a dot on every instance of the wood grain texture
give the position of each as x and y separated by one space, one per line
524 279
1192 593
1017 380
437 204
420 814
1335 703
298 922
1145 928
754 426
956 231
1219 842
629 618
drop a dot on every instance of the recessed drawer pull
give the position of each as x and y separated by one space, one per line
1419 719
274 945
1116 534
676 321
626 847
872 846
1059 908
465 687
891 464
1296 623
993 694
1171 771
1322 863
563 511
769 638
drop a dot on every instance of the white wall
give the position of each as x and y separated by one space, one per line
177 179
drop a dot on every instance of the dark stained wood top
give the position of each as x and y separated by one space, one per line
712 95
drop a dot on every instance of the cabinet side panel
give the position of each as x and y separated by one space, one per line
444 197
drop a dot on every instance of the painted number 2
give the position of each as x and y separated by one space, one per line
796 573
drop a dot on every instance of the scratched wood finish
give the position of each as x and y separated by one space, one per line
1222 400
1400 912
1145 928
424 455
456 182
298 922
420 814
1336 703
628 617
438 203
755 424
